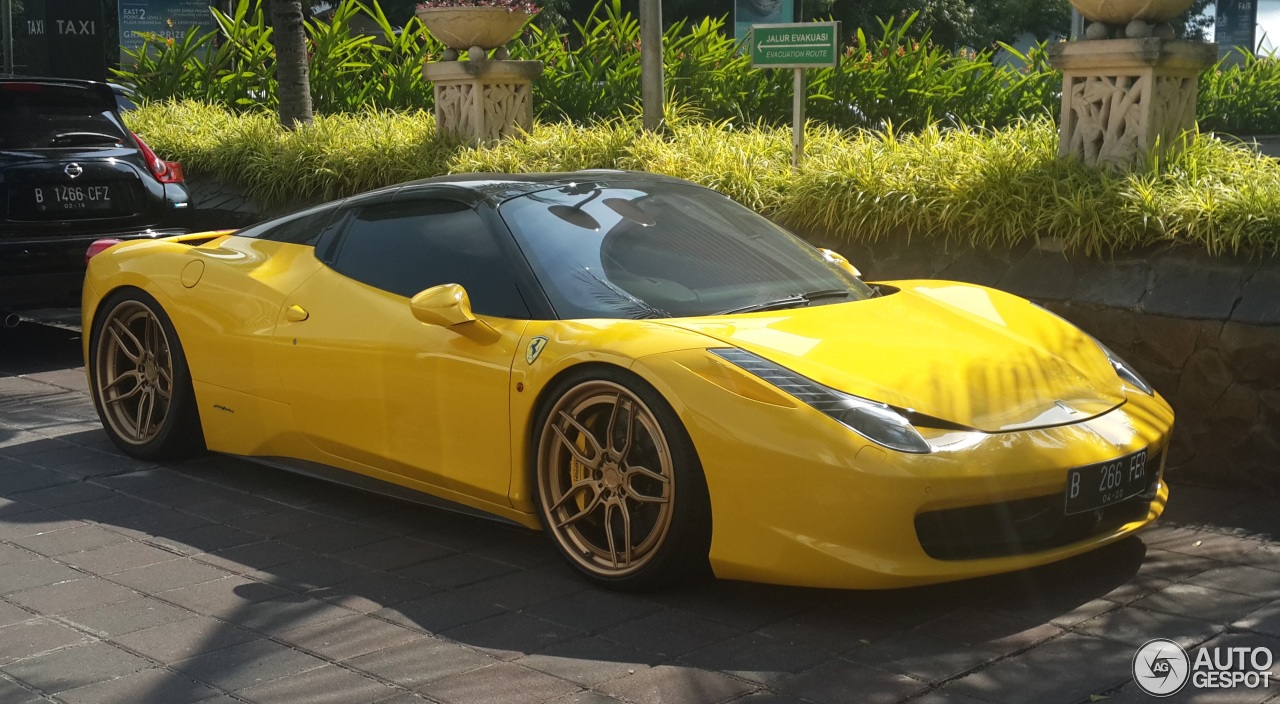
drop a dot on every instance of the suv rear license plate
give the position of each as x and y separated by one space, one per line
58 199
1098 485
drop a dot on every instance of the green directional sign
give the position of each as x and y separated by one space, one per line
799 45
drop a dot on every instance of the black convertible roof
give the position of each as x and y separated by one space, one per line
496 188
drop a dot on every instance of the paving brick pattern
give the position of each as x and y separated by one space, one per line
217 580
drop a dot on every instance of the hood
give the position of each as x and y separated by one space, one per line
962 353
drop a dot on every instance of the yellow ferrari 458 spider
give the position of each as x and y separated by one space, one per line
659 378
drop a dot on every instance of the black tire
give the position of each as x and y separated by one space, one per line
133 347
670 519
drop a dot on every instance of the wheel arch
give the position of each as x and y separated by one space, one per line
92 310
546 396
179 434
642 384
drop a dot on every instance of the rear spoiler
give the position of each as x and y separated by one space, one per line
93 92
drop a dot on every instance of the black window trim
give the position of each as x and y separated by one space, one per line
527 287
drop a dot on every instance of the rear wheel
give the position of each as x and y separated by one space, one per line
620 489
140 382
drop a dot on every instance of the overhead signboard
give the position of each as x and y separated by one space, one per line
169 19
62 38
749 12
799 45
1235 26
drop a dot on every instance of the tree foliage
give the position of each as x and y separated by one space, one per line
1005 20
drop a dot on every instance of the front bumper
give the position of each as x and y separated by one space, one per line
48 271
799 499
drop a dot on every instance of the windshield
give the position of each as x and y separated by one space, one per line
666 250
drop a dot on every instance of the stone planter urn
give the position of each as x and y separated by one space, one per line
462 28
1122 12
1129 87
484 99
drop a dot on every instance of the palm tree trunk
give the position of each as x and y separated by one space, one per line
292 71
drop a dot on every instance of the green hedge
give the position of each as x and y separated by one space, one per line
969 186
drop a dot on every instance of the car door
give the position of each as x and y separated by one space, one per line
372 385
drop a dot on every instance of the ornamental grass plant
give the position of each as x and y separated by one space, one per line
978 187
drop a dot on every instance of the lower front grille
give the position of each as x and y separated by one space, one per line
1024 526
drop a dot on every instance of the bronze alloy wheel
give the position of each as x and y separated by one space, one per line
133 373
606 479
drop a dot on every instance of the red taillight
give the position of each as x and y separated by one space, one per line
22 87
99 246
164 171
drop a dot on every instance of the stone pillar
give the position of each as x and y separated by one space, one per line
483 101
1123 99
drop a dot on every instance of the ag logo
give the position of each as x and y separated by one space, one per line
535 349
1161 667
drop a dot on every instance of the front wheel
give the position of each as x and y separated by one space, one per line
620 488
139 379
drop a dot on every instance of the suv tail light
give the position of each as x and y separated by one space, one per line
21 88
100 246
164 171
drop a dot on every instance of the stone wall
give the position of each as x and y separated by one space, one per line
221 206
1205 331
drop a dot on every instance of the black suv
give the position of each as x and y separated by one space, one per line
72 173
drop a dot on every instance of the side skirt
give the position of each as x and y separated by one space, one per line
324 472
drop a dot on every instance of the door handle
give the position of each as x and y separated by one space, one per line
296 314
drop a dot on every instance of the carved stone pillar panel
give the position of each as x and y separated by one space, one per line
1123 99
483 101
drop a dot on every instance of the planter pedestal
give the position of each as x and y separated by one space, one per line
483 101
1123 99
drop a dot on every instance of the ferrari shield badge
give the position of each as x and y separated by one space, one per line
535 349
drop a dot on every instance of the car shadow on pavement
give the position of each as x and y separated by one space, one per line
31 348
122 580
218 575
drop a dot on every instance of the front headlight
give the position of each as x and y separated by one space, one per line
1126 372
877 422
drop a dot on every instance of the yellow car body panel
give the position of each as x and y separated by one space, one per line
291 359
971 355
812 503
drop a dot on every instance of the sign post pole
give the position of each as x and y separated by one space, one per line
798 46
797 122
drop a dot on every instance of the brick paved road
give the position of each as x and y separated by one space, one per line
220 581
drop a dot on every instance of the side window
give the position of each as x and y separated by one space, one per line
299 228
407 247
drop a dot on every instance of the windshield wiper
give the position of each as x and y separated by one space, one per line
792 300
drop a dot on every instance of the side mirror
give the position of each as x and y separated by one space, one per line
445 305
838 259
